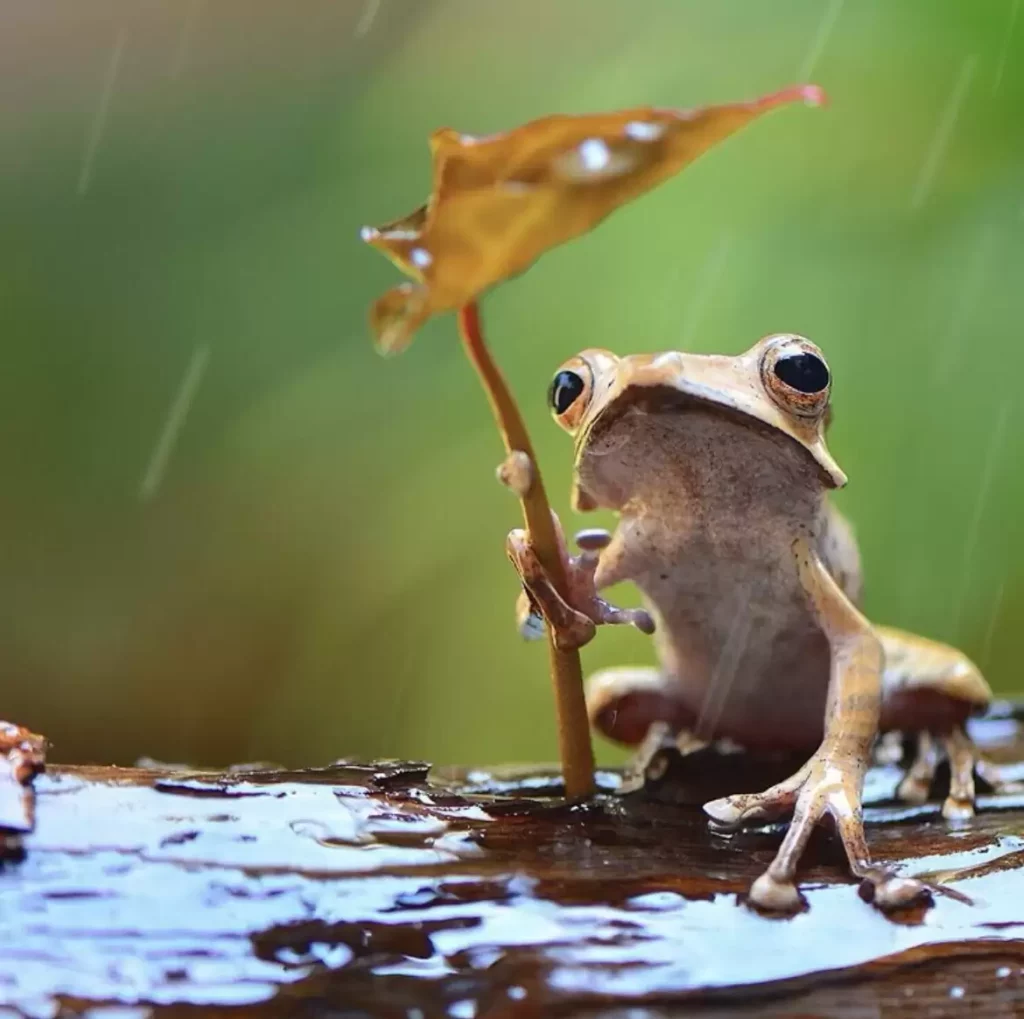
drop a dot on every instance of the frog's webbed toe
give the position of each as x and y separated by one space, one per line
769 893
730 813
574 617
963 757
540 601
889 891
818 790
993 776
659 764
889 749
917 781
965 762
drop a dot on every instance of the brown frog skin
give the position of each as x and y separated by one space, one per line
718 469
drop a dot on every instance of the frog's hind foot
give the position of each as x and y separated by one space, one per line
883 888
888 890
819 790
657 758
965 762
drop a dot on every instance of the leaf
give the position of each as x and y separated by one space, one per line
499 202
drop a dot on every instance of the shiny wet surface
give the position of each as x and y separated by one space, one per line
387 889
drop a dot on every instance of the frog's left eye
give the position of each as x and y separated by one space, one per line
796 375
569 393
566 389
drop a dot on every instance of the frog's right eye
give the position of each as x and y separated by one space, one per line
569 393
796 376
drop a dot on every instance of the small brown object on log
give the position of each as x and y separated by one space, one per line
22 757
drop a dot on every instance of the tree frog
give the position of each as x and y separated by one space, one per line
718 469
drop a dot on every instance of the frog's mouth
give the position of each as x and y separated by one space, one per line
670 400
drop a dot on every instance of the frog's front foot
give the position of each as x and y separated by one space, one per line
574 618
965 761
827 786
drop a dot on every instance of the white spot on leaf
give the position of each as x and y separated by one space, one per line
644 131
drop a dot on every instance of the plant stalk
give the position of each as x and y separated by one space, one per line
576 752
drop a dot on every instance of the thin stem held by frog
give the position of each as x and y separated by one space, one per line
576 752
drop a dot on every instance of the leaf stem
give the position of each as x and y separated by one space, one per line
576 752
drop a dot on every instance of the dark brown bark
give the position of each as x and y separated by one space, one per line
381 889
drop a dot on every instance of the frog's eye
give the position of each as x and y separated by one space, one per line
569 393
796 376
566 388
806 373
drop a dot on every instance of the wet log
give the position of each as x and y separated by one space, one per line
389 889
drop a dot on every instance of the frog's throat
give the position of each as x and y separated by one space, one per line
670 400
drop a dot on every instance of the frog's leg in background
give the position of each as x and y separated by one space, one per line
930 689
831 782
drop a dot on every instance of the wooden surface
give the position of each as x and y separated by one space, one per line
387 890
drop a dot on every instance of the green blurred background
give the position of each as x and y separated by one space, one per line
229 530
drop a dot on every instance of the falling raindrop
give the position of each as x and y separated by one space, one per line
157 467
993 622
188 30
974 280
940 140
709 275
980 503
367 18
746 617
828 23
99 120
1004 51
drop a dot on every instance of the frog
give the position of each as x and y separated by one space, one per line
750 578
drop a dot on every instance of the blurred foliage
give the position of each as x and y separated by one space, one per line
311 564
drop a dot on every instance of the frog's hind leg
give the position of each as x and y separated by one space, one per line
641 708
963 759
628 705
917 781
931 689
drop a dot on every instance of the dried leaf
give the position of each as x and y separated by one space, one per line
500 202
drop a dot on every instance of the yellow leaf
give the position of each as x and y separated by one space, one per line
499 202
